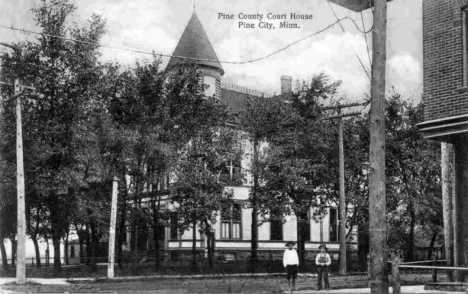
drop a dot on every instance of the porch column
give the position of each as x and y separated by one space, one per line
461 186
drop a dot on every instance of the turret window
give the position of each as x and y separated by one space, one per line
210 86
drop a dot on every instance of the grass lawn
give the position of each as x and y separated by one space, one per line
219 285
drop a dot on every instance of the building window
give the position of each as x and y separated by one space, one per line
210 86
232 173
334 225
72 251
231 221
276 226
174 228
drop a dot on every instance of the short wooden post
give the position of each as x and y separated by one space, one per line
396 273
434 271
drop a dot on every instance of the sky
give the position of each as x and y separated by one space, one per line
157 25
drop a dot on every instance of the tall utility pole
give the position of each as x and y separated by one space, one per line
342 265
113 221
377 197
21 245
21 212
342 196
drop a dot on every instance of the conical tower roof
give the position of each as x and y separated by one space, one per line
194 43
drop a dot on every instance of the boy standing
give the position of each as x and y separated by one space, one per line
323 261
291 262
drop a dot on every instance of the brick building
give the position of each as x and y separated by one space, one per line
445 48
232 235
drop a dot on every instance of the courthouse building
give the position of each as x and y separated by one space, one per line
445 48
232 231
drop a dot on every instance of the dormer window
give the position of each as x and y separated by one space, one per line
210 86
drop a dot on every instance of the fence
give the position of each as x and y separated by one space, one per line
176 263
396 269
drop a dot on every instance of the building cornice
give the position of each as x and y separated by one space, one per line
442 129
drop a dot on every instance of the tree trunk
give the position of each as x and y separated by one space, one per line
446 166
431 245
66 248
57 263
47 253
4 255
81 240
254 225
36 249
194 246
136 224
155 209
13 251
363 244
410 241
56 226
88 244
209 244
301 225
94 246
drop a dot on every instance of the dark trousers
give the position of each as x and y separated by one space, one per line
291 272
323 272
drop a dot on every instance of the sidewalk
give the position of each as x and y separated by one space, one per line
38 281
404 289
64 283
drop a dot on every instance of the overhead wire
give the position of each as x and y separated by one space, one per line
354 49
176 56
365 38
338 21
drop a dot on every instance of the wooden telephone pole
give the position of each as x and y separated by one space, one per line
343 256
21 213
113 221
377 196
21 207
342 195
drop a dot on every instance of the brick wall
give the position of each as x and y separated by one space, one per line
444 92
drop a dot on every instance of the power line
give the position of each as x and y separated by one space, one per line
175 56
365 38
344 31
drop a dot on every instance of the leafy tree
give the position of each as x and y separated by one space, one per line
156 112
414 173
64 75
294 170
200 190
260 120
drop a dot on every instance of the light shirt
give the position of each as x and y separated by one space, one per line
325 256
290 257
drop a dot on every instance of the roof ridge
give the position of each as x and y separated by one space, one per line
245 90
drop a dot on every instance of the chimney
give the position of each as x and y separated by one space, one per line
286 84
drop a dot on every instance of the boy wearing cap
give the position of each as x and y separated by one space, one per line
323 261
291 262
